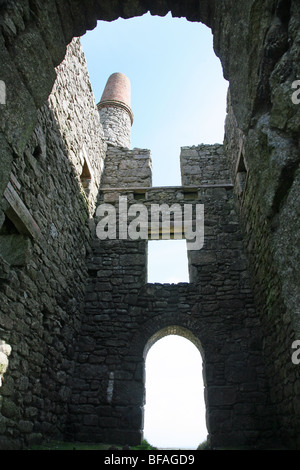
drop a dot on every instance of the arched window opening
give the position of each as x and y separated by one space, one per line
86 176
174 413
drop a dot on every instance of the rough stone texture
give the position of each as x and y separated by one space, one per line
116 124
124 167
116 116
42 294
204 164
123 313
258 45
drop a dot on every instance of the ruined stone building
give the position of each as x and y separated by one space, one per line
77 315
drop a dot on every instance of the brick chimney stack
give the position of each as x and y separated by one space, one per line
115 112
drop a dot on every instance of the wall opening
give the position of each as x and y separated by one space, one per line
178 92
241 174
174 413
167 261
86 178
14 246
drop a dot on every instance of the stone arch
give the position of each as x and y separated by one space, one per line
173 330
153 330
158 326
197 372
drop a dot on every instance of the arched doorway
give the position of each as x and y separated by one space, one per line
174 412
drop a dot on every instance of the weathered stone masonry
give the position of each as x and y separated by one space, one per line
52 162
43 278
123 312
217 309
116 115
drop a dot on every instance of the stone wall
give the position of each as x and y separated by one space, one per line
257 43
42 289
127 168
124 315
204 164
263 226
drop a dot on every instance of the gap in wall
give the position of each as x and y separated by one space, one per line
167 261
174 414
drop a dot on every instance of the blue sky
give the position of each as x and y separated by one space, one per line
178 97
178 94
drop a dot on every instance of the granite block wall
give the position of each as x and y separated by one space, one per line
44 240
124 315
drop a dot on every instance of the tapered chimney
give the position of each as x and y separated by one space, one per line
115 112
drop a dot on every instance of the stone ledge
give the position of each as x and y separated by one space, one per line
165 188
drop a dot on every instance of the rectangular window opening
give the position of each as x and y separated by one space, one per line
190 195
14 246
167 262
139 195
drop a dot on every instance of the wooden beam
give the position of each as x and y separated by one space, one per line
19 214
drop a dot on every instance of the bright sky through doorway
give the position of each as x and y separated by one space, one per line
175 408
178 97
